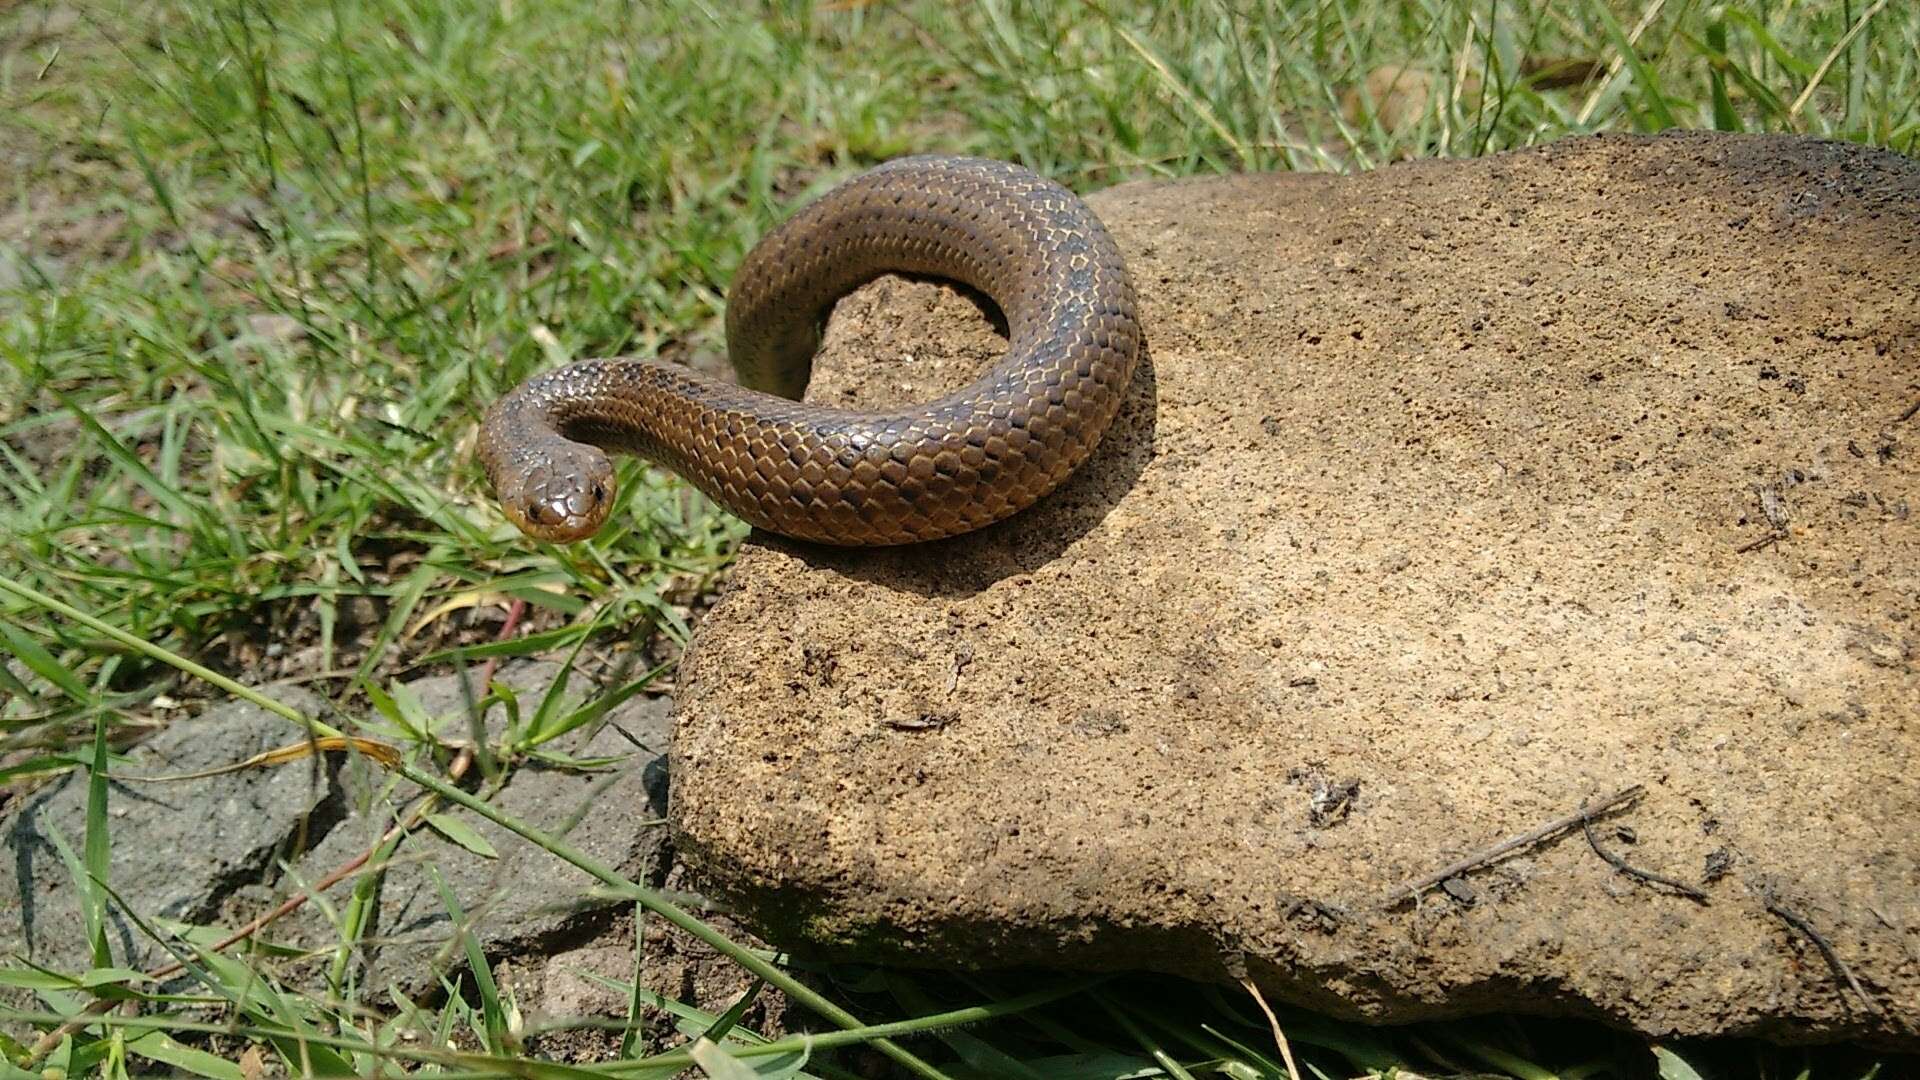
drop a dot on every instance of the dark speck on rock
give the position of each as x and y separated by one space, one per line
1719 864
1461 892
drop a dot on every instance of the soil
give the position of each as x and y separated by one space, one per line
1454 497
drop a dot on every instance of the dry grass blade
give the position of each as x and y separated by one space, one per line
1279 1036
386 755
1182 91
1826 65
1622 57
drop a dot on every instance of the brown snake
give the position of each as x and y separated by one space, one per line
836 475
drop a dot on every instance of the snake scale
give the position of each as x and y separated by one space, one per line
842 476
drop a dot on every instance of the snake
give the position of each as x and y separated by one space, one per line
863 478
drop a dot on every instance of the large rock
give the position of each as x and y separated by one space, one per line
1455 495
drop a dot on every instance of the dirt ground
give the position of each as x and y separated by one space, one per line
1454 497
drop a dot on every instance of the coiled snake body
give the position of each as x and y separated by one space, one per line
835 475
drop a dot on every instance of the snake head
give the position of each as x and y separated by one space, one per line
559 491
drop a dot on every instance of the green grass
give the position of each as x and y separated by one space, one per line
263 263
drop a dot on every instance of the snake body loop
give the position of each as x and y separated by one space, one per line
834 475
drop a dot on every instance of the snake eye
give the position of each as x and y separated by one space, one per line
599 492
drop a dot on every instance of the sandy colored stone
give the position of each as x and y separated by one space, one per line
1453 495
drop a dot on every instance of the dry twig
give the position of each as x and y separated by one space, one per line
1527 839
1807 931
1632 871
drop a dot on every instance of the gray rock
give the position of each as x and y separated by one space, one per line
180 849
216 849
525 900
1440 489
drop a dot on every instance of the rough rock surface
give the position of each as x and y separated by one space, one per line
1454 495
522 900
161 863
213 850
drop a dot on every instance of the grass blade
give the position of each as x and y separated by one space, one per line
158 1046
1725 118
97 857
1643 75
463 834
493 1015
1826 65
42 663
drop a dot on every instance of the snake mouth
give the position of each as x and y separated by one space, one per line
556 524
